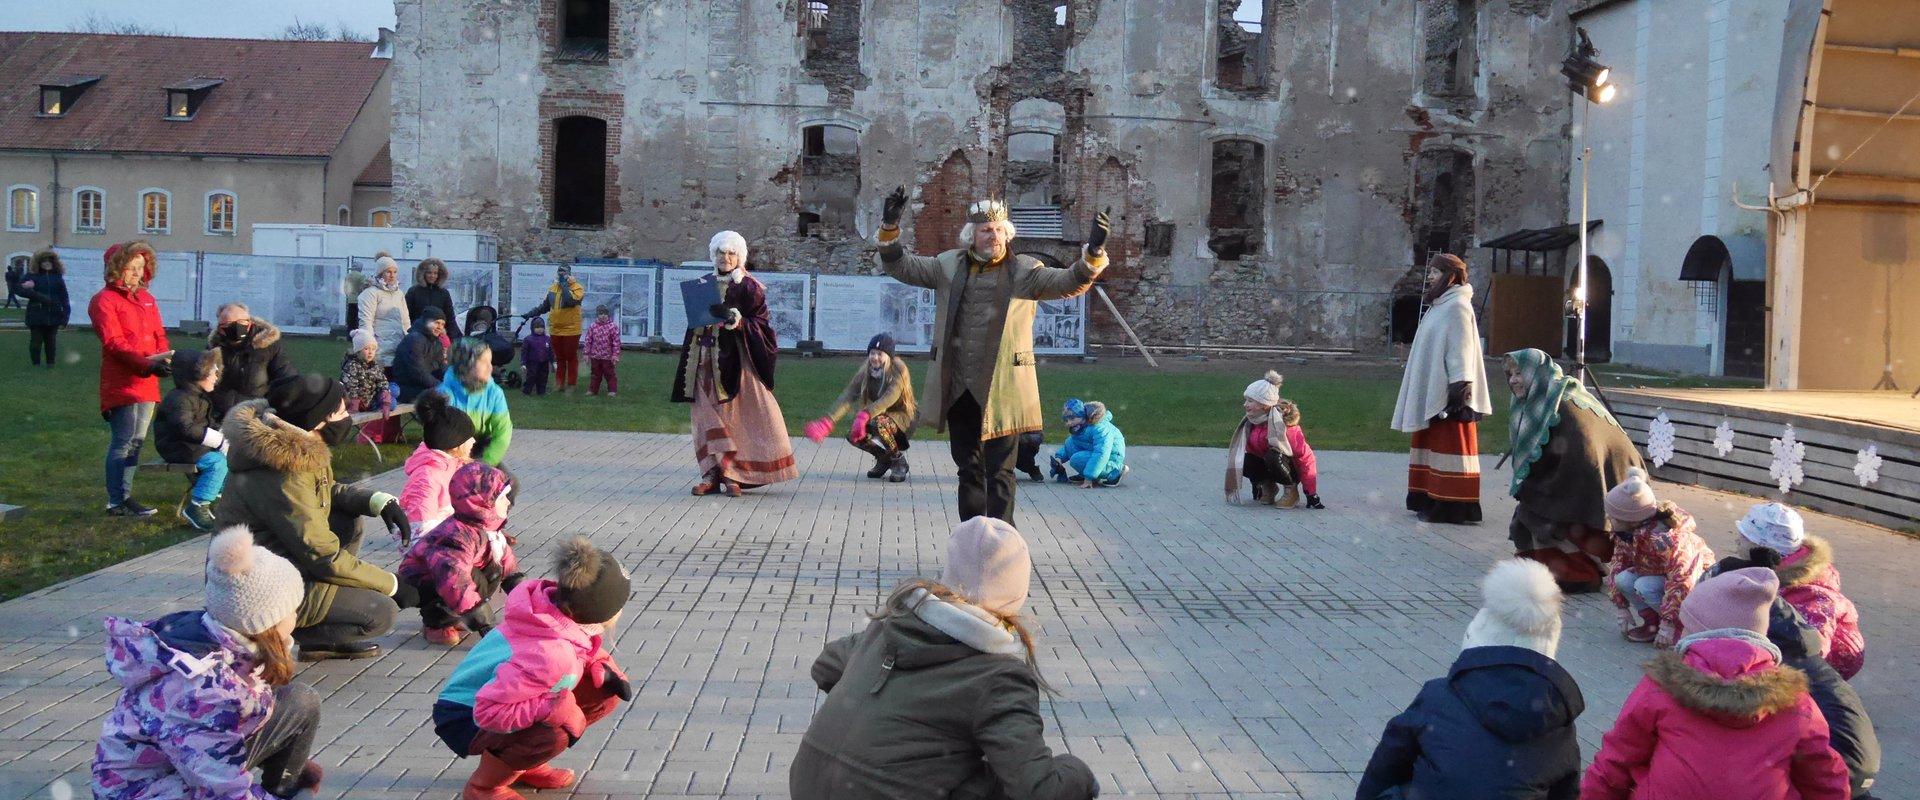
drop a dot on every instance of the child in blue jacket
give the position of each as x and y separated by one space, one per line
1095 452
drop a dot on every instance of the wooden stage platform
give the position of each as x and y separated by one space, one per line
1833 428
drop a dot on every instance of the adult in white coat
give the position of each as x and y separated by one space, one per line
1443 396
383 308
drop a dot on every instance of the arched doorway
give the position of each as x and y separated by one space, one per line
1599 312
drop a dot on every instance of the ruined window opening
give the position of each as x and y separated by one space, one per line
830 179
1159 239
1443 182
1241 46
1236 215
1060 15
1449 60
580 171
585 28
813 25
1033 169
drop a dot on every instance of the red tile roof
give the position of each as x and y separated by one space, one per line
278 98
379 171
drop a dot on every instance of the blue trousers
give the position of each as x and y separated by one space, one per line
210 476
1078 462
127 433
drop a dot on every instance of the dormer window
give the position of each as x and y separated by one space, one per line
57 96
184 98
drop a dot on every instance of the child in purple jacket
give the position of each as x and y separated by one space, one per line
465 561
536 351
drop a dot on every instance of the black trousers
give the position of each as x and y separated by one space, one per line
985 466
356 614
40 339
281 747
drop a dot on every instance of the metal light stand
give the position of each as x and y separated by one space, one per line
1580 369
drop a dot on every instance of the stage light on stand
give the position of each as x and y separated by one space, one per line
1593 82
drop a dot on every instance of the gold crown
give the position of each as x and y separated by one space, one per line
987 211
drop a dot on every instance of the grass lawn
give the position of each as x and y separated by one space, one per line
51 453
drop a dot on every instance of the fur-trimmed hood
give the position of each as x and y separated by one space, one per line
1734 682
261 440
1810 565
47 261
420 272
265 335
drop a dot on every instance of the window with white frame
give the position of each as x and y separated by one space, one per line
23 208
220 213
89 210
380 218
156 211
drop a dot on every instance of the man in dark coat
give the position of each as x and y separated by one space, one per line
251 354
420 361
1499 726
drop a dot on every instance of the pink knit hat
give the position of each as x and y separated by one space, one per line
987 561
1633 500
1737 599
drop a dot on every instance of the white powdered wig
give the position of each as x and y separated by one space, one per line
728 241
1521 608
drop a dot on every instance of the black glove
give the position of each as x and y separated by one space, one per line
718 310
163 369
1458 393
481 618
618 685
1097 234
396 519
897 201
404 595
507 583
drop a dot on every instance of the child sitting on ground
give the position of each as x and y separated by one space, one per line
1720 716
1656 560
536 352
1260 448
602 346
1306 468
207 695
940 695
1499 723
531 687
185 432
446 447
461 564
1808 581
1095 452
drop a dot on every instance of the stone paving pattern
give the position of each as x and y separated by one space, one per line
1199 649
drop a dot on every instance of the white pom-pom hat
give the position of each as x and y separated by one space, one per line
1520 608
249 589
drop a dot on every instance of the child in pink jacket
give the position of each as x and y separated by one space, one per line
1657 558
446 447
529 689
1306 469
602 346
460 565
1808 581
1720 716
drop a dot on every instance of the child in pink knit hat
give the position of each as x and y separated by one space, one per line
1657 557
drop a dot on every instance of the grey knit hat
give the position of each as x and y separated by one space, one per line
987 561
249 589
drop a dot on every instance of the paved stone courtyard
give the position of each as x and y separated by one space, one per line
1199 649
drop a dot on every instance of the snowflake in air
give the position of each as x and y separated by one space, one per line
1866 465
1788 452
1660 440
1723 438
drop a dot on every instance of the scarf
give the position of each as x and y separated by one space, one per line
1237 449
1533 416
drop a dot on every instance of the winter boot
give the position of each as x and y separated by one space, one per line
880 462
1650 627
492 780
546 776
129 508
1033 473
197 514
897 469
1313 501
1115 480
446 637
1290 498
1263 493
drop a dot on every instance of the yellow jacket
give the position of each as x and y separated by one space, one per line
562 310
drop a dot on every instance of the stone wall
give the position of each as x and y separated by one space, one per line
707 101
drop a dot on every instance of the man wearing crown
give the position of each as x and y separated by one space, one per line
983 391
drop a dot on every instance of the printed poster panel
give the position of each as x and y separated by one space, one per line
852 308
1060 327
472 283
627 292
298 294
789 297
174 284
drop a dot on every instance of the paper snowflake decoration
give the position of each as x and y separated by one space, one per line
1723 438
1786 467
1866 465
1660 440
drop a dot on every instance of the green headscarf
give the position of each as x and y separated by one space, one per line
1533 416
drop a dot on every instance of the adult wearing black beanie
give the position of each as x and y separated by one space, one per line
281 485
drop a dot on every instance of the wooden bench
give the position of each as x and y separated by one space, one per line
401 412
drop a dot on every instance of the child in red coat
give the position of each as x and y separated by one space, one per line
1808 581
1657 559
464 562
1719 716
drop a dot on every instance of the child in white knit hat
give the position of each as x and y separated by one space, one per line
1657 558
1259 449
208 694
1809 581
945 669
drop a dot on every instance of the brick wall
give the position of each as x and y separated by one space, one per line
602 105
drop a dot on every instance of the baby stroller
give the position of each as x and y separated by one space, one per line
485 323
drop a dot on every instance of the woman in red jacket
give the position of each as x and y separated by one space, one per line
133 358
